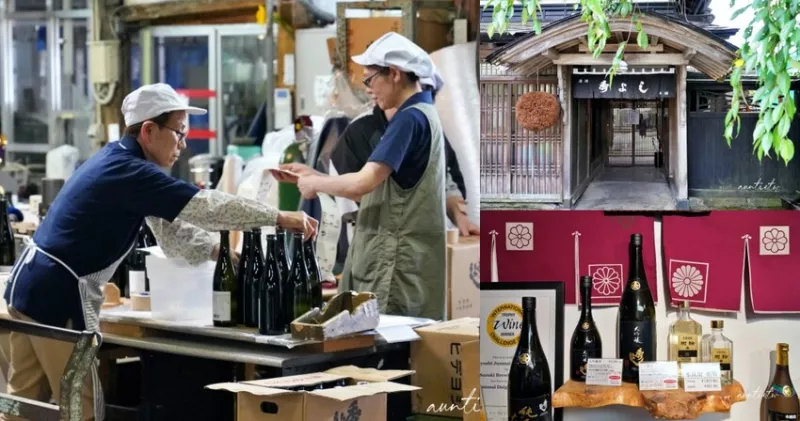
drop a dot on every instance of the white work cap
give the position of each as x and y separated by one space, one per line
395 50
151 101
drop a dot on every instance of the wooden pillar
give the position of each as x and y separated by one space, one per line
681 173
565 96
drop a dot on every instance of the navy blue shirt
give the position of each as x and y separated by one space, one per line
406 145
92 223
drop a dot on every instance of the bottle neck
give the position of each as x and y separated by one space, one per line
529 335
782 360
586 308
636 270
223 241
308 246
299 251
684 314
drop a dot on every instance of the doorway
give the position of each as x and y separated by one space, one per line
631 172
634 138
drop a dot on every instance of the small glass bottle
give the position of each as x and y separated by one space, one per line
684 339
718 348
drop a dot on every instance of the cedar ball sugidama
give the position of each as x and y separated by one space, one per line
537 110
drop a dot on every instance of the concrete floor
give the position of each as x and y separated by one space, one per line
628 188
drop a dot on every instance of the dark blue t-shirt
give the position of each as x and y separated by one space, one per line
93 222
406 145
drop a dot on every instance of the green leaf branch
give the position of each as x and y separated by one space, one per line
771 51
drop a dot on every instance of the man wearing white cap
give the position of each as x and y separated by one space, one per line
398 250
92 225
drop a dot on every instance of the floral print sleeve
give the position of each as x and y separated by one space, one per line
213 210
182 239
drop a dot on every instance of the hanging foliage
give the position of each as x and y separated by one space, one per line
771 50
537 110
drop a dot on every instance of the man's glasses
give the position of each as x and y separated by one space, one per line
368 80
181 135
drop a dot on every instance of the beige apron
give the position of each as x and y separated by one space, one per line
399 247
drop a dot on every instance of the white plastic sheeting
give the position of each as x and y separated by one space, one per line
458 103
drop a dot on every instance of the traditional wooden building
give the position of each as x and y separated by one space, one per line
651 139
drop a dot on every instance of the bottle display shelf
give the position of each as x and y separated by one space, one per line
663 404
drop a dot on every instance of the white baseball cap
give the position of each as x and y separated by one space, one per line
151 101
395 50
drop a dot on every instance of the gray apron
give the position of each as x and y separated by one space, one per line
90 288
399 246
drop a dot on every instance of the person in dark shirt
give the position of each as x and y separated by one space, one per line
359 139
399 248
92 225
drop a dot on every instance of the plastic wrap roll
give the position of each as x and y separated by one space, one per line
458 103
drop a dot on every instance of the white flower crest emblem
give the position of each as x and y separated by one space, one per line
775 240
519 236
606 280
687 281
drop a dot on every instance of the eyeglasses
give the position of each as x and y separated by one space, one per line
181 135
368 80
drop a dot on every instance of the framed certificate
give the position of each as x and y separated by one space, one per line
501 317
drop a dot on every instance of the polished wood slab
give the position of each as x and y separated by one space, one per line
669 405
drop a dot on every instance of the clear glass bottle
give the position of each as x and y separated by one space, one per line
718 348
684 338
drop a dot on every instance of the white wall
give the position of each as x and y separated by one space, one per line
753 358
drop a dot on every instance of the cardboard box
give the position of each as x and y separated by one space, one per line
463 278
471 381
437 360
346 314
297 398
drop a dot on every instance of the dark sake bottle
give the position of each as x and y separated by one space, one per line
8 248
226 294
253 280
269 310
586 342
637 316
780 402
314 274
243 274
529 386
298 279
285 287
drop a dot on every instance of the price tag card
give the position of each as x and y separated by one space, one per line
658 375
701 377
604 372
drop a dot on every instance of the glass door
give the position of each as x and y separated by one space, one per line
242 83
183 57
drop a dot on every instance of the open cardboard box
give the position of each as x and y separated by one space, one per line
345 314
299 398
445 364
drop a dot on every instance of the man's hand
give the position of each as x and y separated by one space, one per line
456 210
307 186
299 222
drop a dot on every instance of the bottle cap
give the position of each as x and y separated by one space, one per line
529 302
685 305
586 281
717 324
256 230
271 236
636 239
783 347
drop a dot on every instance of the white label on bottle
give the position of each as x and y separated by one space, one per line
604 372
701 377
222 306
658 375
136 281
